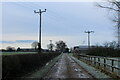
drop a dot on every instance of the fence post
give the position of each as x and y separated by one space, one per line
91 60
118 66
104 63
99 61
86 59
112 65
79 56
95 61
83 58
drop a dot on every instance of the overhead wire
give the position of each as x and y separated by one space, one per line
52 16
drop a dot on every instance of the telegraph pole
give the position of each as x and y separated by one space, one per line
88 32
118 29
39 43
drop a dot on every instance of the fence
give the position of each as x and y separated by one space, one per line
109 65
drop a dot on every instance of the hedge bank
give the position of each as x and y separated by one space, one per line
21 64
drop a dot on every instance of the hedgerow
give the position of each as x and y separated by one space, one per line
21 64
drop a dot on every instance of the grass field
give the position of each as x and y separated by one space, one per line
15 53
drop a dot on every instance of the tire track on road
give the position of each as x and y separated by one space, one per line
66 67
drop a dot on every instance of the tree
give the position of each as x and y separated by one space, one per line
18 49
9 48
61 46
114 5
106 44
66 50
112 44
50 46
34 45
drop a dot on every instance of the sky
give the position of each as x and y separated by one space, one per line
65 21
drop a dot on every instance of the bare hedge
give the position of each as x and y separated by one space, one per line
20 64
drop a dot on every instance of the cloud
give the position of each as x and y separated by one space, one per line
7 42
25 41
18 41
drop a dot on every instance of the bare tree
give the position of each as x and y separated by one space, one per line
9 48
112 44
106 44
34 45
114 5
50 46
18 49
61 46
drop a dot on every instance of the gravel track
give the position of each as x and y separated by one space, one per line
66 67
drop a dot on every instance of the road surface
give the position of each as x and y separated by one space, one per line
67 68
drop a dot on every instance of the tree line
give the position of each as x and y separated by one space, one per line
59 46
108 49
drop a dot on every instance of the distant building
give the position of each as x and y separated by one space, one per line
80 49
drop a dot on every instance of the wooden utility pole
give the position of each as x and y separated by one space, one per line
39 43
118 29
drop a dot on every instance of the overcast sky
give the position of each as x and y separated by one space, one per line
65 21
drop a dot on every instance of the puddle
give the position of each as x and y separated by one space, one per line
47 64
76 70
79 70
73 65
82 76
72 62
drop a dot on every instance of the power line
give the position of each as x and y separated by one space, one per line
54 17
